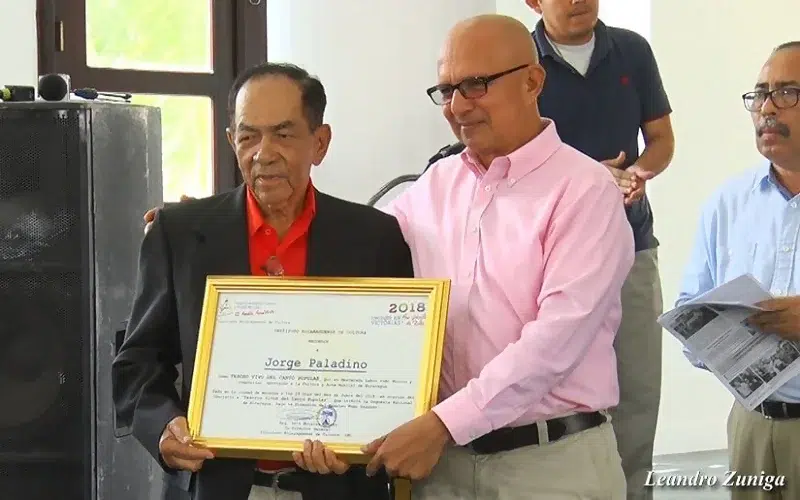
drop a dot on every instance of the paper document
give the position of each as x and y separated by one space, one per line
713 327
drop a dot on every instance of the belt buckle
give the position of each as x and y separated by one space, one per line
276 479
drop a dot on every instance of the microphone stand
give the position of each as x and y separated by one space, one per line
391 185
442 153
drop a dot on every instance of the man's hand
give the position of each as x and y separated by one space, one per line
177 449
782 316
316 457
624 179
410 451
150 215
638 190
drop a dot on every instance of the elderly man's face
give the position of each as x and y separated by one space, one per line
275 145
777 119
498 93
567 20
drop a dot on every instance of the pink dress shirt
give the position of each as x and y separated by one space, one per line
537 247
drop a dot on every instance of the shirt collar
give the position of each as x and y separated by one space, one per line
255 219
602 43
765 175
766 179
524 159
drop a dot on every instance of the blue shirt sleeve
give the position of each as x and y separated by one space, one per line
700 274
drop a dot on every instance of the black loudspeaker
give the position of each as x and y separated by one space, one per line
75 179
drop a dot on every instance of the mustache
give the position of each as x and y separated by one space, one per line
269 169
772 125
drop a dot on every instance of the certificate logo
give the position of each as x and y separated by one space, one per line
326 416
244 309
226 309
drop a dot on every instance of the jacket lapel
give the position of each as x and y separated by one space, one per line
322 237
222 239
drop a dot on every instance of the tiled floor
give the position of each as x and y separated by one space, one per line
707 464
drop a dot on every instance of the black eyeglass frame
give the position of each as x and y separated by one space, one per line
474 81
770 94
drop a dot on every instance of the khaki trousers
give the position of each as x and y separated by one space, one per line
583 466
763 449
638 346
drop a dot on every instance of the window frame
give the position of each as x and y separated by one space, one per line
239 40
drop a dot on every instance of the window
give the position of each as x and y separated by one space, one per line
179 55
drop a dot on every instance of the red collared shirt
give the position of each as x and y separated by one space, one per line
291 251
263 240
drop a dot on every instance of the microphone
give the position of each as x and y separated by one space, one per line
17 93
92 94
54 87
446 151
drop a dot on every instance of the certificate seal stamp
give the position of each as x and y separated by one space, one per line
326 416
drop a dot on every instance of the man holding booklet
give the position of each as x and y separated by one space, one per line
752 226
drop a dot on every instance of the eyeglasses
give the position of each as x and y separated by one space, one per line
273 267
471 88
782 98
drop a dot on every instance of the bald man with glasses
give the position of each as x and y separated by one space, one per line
534 238
529 370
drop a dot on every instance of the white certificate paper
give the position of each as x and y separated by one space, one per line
341 368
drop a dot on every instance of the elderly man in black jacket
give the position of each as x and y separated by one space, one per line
275 220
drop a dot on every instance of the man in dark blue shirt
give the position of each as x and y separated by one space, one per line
603 86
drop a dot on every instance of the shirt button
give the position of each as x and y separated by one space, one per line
787 249
268 231
794 204
475 229
487 188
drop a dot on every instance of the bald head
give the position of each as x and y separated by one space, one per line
500 37
489 83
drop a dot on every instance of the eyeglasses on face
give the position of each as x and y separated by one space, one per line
782 98
471 88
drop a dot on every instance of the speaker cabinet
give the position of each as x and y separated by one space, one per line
75 179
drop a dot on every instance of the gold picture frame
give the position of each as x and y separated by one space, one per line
435 292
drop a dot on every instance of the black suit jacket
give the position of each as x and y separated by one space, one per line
190 241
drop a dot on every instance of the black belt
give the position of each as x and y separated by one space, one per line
286 481
511 438
778 410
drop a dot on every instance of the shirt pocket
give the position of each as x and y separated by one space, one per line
754 258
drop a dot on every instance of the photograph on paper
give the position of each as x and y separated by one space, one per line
693 319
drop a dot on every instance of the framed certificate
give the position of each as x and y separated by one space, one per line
340 360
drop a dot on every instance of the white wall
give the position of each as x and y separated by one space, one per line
375 74
18 64
384 125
